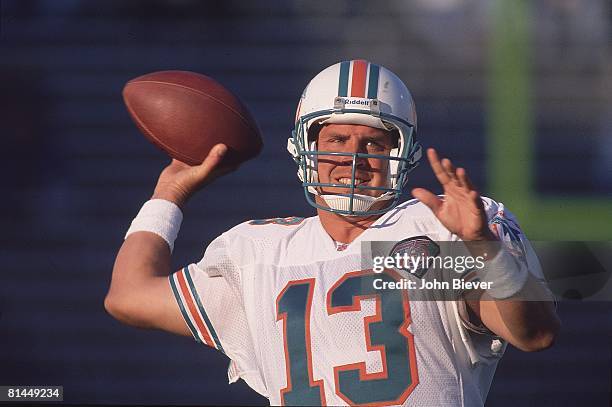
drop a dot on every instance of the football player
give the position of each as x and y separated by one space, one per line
291 302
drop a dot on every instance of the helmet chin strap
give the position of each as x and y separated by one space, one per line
361 203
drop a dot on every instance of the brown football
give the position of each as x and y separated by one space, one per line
186 114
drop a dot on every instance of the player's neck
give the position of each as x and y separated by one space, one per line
345 229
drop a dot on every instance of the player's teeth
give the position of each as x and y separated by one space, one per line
347 181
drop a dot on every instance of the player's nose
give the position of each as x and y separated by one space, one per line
354 148
357 145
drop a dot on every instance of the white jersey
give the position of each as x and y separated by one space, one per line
302 325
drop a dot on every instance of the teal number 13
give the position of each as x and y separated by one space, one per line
386 332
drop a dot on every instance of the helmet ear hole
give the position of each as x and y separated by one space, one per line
395 137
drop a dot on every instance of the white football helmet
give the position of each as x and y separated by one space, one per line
355 92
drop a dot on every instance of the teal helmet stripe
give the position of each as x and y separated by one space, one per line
373 81
344 77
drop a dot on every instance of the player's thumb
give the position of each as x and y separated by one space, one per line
428 198
212 160
217 152
209 169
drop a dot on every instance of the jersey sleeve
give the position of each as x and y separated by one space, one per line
506 228
211 304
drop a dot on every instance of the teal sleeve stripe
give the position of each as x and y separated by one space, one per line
373 81
192 328
343 81
201 308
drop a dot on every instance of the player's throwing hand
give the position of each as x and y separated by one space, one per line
461 209
178 181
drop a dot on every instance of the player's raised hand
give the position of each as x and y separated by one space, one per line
179 181
461 209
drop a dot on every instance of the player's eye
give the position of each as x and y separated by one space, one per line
336 140
375 146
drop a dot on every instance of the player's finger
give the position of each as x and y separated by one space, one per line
428 198
450 169
211 161
464 178
436 166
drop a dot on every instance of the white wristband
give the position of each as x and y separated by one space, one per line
160 217
506 274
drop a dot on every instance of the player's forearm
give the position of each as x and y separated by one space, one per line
528 325
143 259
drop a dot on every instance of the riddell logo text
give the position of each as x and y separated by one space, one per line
364 102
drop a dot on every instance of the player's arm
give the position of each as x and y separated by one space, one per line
528 325
140 293
518 307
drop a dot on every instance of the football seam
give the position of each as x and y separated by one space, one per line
246 122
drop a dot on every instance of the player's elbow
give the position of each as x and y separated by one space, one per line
537 344
541 340
124 310
115 307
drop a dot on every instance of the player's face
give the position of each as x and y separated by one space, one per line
352 138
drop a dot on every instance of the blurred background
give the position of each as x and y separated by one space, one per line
519 92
